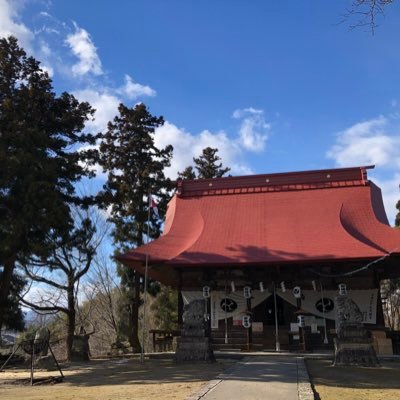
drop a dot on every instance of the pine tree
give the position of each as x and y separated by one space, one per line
187 173
39 162
135 169
207 166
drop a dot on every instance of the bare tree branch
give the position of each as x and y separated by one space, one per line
70 256
42 279
364 13
43 308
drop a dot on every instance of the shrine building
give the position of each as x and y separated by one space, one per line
271 247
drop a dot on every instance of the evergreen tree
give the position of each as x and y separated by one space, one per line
165 308
39 164
207 166
397 219
187 173
13 317
135 169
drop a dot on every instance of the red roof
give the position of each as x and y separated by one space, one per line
295 217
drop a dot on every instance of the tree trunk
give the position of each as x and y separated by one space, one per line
71 321
134 323
5 285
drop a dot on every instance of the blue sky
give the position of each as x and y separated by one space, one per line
276 86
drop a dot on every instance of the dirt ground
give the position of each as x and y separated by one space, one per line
115 379
350 383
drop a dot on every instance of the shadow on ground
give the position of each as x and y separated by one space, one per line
125 371
385 377
129 371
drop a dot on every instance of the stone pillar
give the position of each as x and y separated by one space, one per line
193 345
80 348
353 346
41 341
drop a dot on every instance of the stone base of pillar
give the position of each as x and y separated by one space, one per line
354 347
192 349
357 354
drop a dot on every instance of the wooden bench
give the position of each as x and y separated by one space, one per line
163 338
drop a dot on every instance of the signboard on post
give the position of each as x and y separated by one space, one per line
257 326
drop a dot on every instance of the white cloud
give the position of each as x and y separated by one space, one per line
104 102
83 48
240 113
373 142
187 145
253 131
390 191
132 90
11 25
45 14
48 68
45 48
366 143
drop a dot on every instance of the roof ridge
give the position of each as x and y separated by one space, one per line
302 180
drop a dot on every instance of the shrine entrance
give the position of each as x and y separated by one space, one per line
229 332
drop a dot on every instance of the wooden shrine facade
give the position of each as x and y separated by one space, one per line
311 229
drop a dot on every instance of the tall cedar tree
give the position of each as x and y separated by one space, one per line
38 134
14 317
207 166
135 168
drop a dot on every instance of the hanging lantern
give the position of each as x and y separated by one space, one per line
246 321
314 285
233 287
206 292
342 289
261 287
283 287
297 292
247 292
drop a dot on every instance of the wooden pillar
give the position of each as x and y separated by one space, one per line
180 300
249 330
380 318
208 322
180 309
